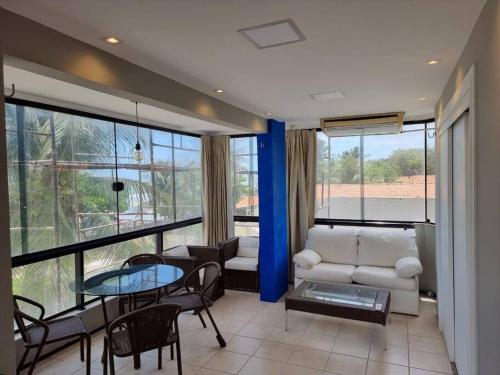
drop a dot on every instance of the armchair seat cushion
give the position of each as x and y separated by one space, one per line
383 277
327 272
242 264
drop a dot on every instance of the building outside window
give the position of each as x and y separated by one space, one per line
377 177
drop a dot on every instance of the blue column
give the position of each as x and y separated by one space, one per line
273 257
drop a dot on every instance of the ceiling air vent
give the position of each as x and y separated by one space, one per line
273 34
384 123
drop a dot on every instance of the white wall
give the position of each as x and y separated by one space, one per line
483 50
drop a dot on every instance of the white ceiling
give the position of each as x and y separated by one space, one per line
374 51
35 87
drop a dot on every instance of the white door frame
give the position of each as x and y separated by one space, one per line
462 100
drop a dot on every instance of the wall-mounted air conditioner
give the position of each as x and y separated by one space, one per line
384 123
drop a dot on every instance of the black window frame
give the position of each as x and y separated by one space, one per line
79 248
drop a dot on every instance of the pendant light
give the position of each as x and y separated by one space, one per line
137 154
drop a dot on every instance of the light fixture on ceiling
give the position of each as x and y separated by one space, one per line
111 40
137 153
423 99
268 114
273 34
434 61
219 91
330 95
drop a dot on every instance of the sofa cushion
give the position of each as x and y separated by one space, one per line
382 277
407 267
248 252
338 245
242 264
384 246
178 251
327 272
307 259
252 242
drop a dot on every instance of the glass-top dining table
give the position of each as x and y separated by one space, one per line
127 281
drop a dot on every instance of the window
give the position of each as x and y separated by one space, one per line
183 236
376 177
246 229
61 170
62 166
244 174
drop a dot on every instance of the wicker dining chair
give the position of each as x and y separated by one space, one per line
145 298
199 300
41 332
142 330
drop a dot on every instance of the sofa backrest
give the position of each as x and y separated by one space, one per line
179 251
384 246
338 245
248 247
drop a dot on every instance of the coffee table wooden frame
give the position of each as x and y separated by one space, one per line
380 316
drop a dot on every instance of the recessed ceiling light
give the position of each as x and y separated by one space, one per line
219 91
331 95
433 61
423 99
273 34
111 40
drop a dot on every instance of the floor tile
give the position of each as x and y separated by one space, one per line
417 371
353 346
289 369
275 351
317 341
382 368
310 358
324 327
393 354
227 326
227 362
427 344
345 365
283 337
261 366
255 331
431 362
196 355
206 371
243 345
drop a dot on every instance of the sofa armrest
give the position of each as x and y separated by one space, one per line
229 248
307 259
408 267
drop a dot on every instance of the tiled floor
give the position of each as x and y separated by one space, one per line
314 345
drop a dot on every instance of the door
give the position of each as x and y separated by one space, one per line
461 249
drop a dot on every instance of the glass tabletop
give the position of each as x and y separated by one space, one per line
345 294
128 280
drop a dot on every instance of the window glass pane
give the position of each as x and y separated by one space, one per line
109 257
135 202
338 178
394 180
244 175
187 158
190 235
46 282
246 229
431 173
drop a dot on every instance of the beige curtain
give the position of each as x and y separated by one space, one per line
216 185
301 187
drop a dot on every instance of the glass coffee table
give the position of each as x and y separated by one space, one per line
349 301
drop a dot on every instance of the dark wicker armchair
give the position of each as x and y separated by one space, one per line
199 300
145 298
142 330
242 276
41 332
205 254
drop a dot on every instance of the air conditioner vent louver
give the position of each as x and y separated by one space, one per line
384 123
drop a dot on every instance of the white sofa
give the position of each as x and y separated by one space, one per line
365 256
